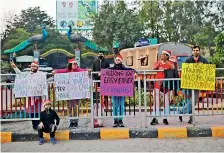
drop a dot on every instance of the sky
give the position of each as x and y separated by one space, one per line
16 6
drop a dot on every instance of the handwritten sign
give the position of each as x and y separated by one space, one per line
198 76
74 85
117 82
29 85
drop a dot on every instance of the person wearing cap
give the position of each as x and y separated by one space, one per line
71 67
100 63
194 58
118 102
35 101
163 64
47 123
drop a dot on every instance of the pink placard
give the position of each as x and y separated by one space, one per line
116 82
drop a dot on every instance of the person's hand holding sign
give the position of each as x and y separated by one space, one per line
13 65
53 72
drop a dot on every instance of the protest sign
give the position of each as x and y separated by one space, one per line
198 76
74 85
29 85
116 82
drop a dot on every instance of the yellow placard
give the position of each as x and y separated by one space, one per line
198 76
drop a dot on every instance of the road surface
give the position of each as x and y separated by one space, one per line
129 145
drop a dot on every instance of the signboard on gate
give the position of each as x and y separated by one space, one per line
74 85
198 76
77 13
116 82
29 85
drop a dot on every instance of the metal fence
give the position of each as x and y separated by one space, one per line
147 102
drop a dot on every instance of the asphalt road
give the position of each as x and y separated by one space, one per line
129 145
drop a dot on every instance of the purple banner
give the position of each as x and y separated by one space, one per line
116 82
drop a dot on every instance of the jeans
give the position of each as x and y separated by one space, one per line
47 129
187 109
118 106
156 107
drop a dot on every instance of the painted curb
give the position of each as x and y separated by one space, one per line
80 134
114 133
144 133
199 132
178 132
119 133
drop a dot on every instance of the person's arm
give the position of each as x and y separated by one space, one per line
41 117
187 60
156 65
57 118
61 71
93 67
206 61
13 65
171 65
107 65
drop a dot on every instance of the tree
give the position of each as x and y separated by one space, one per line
179 21
27 24
29 19
116 23
219 49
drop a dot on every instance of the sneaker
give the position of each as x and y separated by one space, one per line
52 140
154 121
190 120
180 118
120 123
165 121
115 123
41 141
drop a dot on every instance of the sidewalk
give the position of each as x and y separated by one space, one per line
206 126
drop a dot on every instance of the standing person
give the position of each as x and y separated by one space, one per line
118 102
36 100
47 122
194 58
100 63
163 64
71 67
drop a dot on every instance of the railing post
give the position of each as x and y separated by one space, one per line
91 101
140 100
193 106
145 102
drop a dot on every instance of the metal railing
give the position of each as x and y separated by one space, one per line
140 106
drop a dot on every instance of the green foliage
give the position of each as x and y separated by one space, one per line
116 23
219 49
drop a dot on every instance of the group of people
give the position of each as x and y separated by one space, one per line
48 116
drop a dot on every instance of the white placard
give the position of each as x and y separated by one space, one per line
74 85
29 85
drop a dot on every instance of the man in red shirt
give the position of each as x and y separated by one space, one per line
163 64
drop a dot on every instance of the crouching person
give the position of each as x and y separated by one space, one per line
47 123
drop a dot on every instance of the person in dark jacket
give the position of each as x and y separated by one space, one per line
195 58
47 123
119 102
100 63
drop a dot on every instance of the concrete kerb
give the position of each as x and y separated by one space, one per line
120 133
